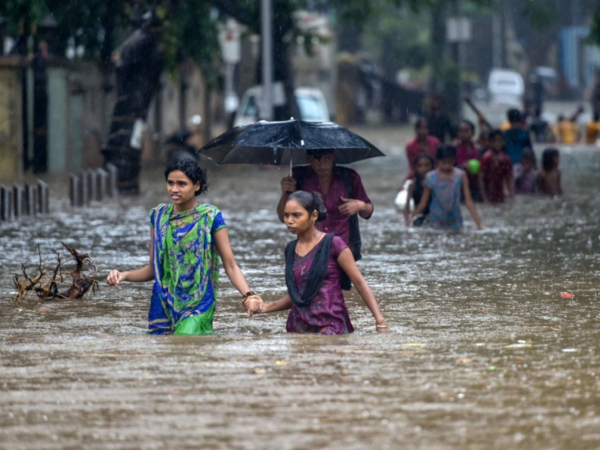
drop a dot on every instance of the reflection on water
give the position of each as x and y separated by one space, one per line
485 352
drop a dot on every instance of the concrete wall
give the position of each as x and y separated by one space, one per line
11 132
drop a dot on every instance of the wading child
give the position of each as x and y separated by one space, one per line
496 171
466 151
548 177
422 143
423 165
444 186
525 173
314 264
188 239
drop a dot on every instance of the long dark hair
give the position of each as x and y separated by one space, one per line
191 169
310 201
548 159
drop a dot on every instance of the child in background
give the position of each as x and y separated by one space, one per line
465 152
548 177
496 171
483 141
567 131
422 143
424 163
592 130
444 186
525 173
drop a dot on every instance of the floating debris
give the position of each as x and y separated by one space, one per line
46 283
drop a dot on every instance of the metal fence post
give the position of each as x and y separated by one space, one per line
18 200
74 187
102 183
93 185
113 178
85 188
30 200
5 203
43 200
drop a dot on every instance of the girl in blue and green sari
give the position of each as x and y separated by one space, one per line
188 240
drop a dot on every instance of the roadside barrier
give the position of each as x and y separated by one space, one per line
30 200
93 185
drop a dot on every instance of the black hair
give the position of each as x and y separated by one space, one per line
527 151
596 116
191 169
427 157
420 121
318 154
494 133
310 201
514 116
445 151
548 158
470 124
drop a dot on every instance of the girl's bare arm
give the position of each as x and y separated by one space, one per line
232 270
348 265
469 201
409 194
139 275
423 203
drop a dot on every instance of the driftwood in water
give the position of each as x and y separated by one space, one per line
46 283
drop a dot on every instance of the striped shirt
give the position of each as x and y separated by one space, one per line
336 222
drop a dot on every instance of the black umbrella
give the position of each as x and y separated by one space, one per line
283 143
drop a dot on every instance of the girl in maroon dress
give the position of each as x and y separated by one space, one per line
315 263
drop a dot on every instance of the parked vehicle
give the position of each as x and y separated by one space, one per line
506 87
311 103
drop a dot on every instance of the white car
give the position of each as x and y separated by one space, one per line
506 87
311 102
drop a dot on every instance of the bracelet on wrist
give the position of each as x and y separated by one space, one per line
248 294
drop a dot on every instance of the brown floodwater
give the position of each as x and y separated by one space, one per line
484 351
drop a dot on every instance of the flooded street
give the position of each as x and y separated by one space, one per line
484 351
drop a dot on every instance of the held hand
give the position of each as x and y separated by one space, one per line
349 207
115 277
288 184
480 227
253 304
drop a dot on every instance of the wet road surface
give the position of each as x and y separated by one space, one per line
485 353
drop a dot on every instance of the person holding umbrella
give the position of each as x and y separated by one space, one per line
320 145
315 263
343 193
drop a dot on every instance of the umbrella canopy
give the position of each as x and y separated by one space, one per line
285 143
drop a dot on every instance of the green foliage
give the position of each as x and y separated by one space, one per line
594 36
539 14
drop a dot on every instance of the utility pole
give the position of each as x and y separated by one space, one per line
266 30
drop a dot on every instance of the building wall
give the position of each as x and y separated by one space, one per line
11 133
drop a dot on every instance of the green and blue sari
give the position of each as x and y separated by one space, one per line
186 269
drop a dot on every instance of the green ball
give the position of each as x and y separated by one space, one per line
473 166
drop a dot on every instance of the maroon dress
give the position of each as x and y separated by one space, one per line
327 314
